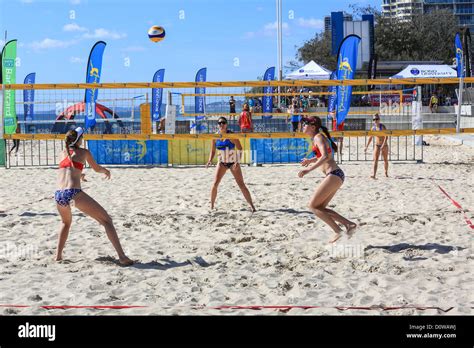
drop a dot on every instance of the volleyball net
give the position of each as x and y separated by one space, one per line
193 108
187 118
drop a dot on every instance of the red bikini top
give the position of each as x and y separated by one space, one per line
66 163
328 149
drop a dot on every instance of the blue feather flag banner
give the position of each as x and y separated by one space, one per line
346 65
157 96
94 70
199 101
29 97
268 98
459 55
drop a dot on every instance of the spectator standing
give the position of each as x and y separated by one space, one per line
251 104
245 119
232 105
434 103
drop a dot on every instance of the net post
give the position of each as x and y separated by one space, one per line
458 115
145 117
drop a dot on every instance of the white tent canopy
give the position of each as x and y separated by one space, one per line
310 71
420 71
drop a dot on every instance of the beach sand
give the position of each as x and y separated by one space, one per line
412 247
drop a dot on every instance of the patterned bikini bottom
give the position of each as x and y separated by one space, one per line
64 197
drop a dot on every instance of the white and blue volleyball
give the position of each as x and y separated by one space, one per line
156 33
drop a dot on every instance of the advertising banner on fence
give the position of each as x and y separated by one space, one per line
129 151
9 77
189 151
196 151
280 150
94 69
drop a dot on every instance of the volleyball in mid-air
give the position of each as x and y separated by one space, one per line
156 33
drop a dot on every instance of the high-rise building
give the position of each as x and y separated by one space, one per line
327 21
343 25
404 9
462 9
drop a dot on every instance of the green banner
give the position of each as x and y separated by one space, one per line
2 152
9 76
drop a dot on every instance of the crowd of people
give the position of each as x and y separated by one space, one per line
296 105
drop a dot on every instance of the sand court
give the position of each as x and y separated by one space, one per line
412 247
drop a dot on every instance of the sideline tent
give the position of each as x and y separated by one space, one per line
310 71
420 71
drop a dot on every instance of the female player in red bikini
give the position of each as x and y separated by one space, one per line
324 148
69 182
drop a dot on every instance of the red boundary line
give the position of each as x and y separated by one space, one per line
458 206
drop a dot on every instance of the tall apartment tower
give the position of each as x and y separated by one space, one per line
327 21
404 9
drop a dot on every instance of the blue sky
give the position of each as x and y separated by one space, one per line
235 40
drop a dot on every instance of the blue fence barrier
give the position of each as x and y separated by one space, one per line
157 151
280 150
129 151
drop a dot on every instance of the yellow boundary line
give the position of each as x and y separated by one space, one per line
395 133
306 83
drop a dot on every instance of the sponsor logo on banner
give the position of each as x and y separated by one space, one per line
9 63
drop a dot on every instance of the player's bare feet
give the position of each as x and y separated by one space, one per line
373 177
350 230
336 237
125 261
58 258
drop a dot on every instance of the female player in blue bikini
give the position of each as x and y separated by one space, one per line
324 149
228 158
69 182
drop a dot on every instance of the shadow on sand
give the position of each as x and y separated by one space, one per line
440 249
288 211
162 264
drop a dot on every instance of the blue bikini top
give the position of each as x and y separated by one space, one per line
224 144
